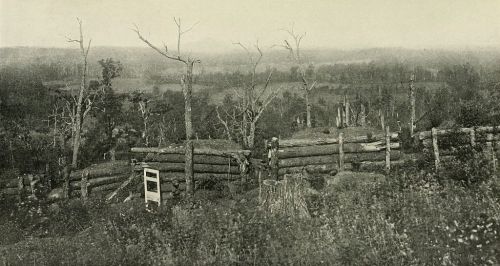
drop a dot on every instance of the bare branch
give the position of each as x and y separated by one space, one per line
165 54
244 48
266 85
223 123
266 103
312 86
68 39
190 28
88 49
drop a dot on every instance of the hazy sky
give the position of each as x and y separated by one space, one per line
328 23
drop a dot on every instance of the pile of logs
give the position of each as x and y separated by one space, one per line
209 165
100 178
489 136
364 153
19 185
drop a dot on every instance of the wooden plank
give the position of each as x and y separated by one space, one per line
152 195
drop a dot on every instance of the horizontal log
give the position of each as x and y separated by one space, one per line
377 166
312 169
181 150
178 176
334 158
99 189
428 142
105 169
488 129
167 196
198 168
197 158
326 169
12 182
94 182
325 141
13 191
166 186
309 151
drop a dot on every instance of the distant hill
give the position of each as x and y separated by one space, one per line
142 57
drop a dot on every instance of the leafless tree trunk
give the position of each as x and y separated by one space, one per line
253 102
308 109
187 89
307 85
412 105
78 116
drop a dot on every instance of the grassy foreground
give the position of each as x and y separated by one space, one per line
351 219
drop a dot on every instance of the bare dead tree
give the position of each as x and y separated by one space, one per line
187 89
78 110
293 47
252 103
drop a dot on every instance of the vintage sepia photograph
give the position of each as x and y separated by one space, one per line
258 132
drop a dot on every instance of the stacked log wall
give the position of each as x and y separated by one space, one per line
209 166
322 156
448 149
102 178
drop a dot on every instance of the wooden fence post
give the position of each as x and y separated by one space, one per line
337 119
473 138
346 105
84 185
20 187
387 150
382 119
48 177
66 177
188 169
273 158
363 115
31 179
260 186
341 151
491 150
435 148
341 115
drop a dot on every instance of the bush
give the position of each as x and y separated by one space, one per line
403 219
